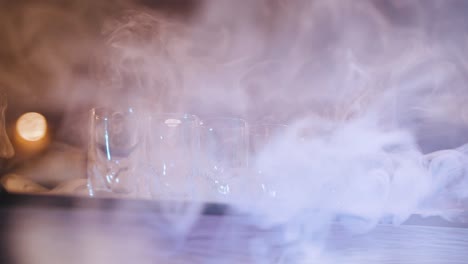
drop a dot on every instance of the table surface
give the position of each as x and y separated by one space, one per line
42 229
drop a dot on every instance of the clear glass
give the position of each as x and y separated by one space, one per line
224 156
261 135
171 150
114 153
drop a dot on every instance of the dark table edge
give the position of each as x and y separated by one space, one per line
9 201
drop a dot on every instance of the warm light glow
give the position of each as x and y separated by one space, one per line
31 126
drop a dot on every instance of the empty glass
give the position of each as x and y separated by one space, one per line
113 153
224 156
260 136
171 151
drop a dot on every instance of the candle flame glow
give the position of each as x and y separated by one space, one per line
31 126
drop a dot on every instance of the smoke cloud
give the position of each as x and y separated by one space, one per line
372 91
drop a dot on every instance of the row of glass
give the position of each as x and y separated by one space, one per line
172 156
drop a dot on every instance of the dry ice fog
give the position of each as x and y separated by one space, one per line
373 94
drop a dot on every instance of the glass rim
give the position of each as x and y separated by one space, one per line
184 116
214 119
103 111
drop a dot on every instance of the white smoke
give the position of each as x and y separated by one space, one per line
367 88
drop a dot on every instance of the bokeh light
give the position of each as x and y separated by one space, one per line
31 126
